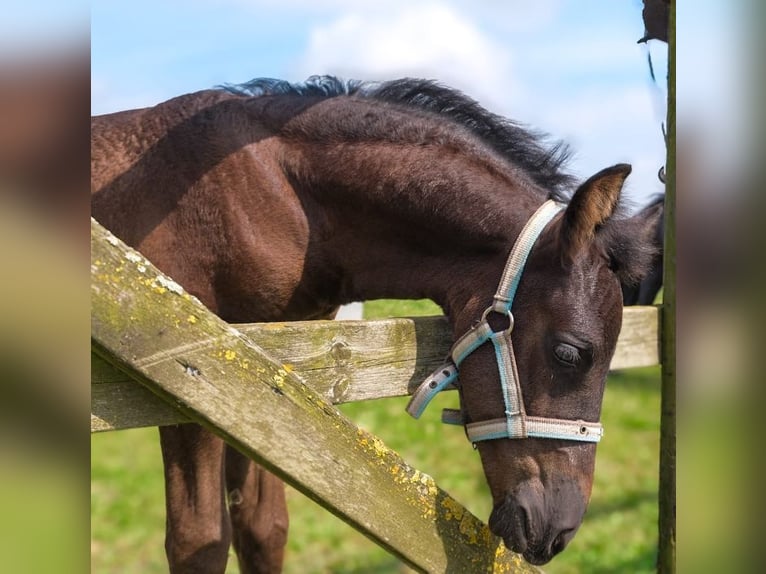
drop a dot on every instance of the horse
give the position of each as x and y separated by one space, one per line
273 201
645 291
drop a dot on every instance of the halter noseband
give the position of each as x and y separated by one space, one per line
516 423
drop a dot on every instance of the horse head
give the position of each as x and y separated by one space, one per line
536 438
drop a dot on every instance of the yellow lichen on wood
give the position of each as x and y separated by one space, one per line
216 377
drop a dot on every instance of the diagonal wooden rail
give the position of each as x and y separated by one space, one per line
144 324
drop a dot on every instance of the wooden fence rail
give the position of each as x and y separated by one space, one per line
192 366
344 361
148 327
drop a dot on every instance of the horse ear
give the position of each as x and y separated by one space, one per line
635 248
591 206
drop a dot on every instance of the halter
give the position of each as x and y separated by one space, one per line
516 423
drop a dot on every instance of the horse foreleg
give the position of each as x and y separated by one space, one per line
198 532
258 512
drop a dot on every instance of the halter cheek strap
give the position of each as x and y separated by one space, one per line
515 423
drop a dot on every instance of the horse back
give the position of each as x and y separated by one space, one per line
195 184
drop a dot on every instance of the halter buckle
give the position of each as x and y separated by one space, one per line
506 311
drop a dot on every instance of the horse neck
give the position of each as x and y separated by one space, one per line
410 222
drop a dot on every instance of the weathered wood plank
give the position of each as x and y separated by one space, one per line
146 325
639 341
118 402
344 361
349 361
357 360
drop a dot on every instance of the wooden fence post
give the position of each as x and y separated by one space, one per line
666 557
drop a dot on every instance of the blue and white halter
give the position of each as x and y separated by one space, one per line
516 423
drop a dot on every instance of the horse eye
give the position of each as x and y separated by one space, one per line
567 354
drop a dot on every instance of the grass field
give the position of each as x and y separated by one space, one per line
617 535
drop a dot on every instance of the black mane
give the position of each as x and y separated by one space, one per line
528 149
322 86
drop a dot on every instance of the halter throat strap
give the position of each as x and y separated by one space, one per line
515 423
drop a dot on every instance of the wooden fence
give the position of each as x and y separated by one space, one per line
160 357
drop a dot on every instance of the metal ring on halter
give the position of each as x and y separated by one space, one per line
508 314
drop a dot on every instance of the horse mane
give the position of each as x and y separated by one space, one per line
543 162
316 86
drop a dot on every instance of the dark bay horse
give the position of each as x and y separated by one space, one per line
274 202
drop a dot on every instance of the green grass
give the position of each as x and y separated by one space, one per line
617 535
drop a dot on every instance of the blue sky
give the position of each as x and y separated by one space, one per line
569 67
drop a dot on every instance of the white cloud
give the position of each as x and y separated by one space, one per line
620 125
430 40
591 110
507 14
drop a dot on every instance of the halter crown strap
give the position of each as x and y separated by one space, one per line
515 424
509 282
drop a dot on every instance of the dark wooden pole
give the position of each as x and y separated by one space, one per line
666 558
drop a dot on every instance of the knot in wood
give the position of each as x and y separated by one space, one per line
340 351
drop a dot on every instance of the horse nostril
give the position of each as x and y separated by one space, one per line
560 542
540 555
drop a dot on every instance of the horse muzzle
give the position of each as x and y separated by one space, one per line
539 522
